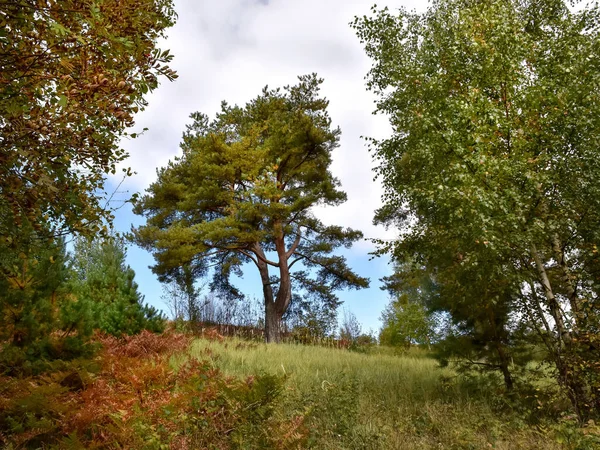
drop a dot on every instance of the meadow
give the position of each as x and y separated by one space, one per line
381 399
179 391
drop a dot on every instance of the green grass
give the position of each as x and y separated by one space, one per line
376 400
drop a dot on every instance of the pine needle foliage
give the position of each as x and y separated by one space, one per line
243 192
105 283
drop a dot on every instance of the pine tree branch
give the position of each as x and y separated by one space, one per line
294 246
296 260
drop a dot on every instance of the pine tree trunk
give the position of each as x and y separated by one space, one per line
272 314
274 310
276 307
272 323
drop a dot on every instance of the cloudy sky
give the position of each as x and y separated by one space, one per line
229 50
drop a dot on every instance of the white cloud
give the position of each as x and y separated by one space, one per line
230 49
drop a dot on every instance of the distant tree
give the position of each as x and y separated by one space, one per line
175 300
407 319
104 281
183 296
492 168
243 192
72 74
405 324
309 319
350 327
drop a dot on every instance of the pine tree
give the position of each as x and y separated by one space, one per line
103 281
243 192
39 317
32 287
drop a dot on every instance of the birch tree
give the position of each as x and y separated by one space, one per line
493 161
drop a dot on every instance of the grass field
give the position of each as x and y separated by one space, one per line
175 391
377 400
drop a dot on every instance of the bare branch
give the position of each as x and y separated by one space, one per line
260 254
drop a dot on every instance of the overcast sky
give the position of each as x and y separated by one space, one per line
229 50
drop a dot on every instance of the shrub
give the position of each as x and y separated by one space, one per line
133 398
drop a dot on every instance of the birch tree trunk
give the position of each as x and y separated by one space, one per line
564 351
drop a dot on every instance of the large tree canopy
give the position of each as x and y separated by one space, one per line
492 169
72 74
243 191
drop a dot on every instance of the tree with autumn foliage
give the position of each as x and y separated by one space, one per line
243 192
72 75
